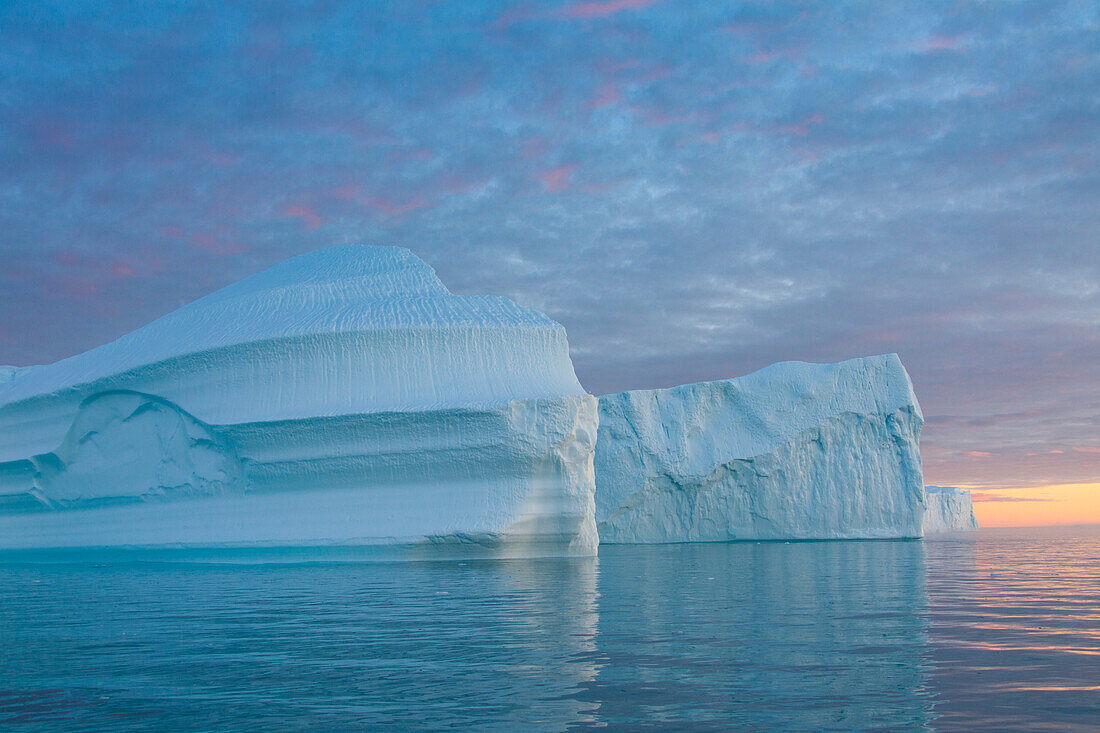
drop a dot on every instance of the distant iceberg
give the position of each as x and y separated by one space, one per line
793 451
342 399
949 509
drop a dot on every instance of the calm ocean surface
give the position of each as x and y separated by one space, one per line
993 630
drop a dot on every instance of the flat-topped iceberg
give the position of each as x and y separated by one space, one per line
950 509
342 399
793 451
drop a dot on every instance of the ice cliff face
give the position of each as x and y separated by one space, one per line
344 398
949 509
793 451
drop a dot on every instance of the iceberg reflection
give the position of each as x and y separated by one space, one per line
768 635
772 635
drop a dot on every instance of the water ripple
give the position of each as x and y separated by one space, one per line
992 631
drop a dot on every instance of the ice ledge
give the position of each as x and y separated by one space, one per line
135 471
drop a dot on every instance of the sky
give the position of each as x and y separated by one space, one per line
694 189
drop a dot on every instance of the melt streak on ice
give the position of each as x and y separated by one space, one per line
342 399
793 451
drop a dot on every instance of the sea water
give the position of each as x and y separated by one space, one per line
994 630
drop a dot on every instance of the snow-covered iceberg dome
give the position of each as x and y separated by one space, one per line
344 397
344 330
950 509
793 451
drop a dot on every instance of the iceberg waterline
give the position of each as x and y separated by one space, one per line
345 401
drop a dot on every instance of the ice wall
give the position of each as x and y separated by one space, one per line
949 509
342 399
793 451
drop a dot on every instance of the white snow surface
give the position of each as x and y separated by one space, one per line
342 398
793 451
950 509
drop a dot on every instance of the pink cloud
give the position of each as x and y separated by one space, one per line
346 192
53 133
977 454
121 270
938 44
1086 448
654 73
310 218
598 9
455 185
982 91
67 259
557 179
583 10
393 208
209 243
79 288
93 269
801 128
659 118
514 15
221 159
534 146
608 96
401 156
614 67
765 57
715 136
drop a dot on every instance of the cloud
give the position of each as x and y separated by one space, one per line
603 8
310 218
217 245
393 207
939 44
981 496
607 96
557 179
914 179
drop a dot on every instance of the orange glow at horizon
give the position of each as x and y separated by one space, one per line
1056 504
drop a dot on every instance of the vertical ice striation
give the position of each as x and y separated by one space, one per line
343 401
793 451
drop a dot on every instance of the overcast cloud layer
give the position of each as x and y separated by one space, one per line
695 189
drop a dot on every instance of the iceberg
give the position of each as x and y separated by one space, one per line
343 401
950 509
793 451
